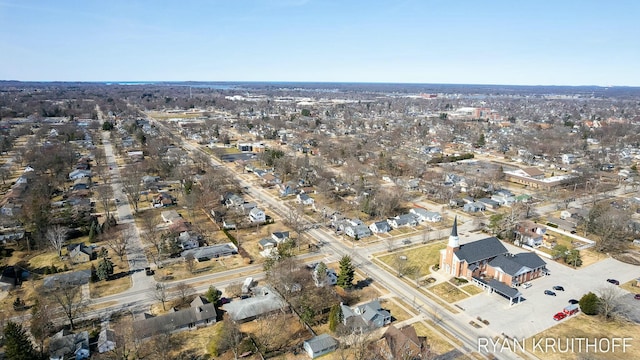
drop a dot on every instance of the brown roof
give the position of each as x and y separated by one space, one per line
533 171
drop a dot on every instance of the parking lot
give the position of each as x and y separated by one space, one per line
535 313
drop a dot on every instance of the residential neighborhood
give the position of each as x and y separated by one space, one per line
364 222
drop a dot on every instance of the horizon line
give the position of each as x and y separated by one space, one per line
142 82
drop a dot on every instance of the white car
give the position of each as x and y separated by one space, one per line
526 285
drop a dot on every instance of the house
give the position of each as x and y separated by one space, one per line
9 278
574 214
330 278
425 215
358 231
568 159
206 253
79 174
267 243
200 313
106 340
65 345
402 220
380 227
163 200
488 264
280 236
367 316
287 188
188 241
319 345
228 224
490 204
148 180
256 215
264 302
304 199
403 343
80 253
170 216
81 184
233 200
503 200
529 233
474 207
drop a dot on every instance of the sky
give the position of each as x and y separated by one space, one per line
541 42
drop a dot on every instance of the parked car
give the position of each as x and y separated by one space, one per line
406 241
526 285
636 296
549 292
573 301
148 271
223 300
559 316
613 281
558 288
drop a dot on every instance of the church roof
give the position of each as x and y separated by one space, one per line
480 250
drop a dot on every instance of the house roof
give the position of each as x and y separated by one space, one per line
507 265
530 260
480 250
174 320
321 342
212 251
255 306
533 171
503 289
403 341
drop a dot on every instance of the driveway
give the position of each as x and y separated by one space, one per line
535 313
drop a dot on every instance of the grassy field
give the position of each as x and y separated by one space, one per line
583 326
631 287
448 292
471 289
396 311
421 257
438 343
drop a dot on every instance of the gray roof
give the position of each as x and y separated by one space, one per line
321 342
503 289
175 320
252 307
480 250
212 251
79 277
507 265
530 260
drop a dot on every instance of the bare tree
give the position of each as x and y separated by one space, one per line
190 263
159 292
57 235
184 291
105 195
40 325
231 337
610 304
610 224
128 343
150 232
233 290
132 183
119 243
69 297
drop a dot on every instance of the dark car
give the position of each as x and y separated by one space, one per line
573 301
558 288
148 271
549 292
636 296
613 281
223 300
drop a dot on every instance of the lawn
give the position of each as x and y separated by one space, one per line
448 292
421 257
394 308
438 343
583 326
471 289
631 287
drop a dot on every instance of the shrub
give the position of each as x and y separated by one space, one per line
589 304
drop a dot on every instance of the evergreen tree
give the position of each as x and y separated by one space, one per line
105 268
347 272
335 317
17 344
212 295
94 275
589 304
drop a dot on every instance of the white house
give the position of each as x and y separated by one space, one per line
402 220
188 241
568 158
304 199
320 345
425 215
330 278
380 227
79 174
359 231
257 215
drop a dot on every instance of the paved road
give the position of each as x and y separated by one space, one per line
135 249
